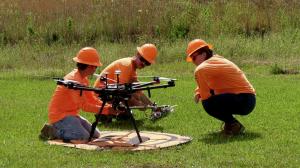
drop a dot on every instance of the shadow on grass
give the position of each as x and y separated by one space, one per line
127 125
216 138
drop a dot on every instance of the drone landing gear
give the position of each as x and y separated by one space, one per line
127 110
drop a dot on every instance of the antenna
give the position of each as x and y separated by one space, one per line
106 83
118 72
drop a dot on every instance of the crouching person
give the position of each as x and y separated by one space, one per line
64 120
222 87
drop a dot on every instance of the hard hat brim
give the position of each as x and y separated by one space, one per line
94 64
189 58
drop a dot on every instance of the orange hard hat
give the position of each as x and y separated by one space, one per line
195 45
89 56
148 52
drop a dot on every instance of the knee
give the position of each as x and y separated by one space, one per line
247 110
85 136
250 105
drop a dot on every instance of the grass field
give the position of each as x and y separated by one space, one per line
271 139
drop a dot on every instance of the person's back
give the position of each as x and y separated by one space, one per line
124 66
222 76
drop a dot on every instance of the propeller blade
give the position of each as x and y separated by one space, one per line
144 76
157 77
166 79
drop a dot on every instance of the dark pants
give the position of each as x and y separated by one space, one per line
223 106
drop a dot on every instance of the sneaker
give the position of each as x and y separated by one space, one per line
48 132
233 129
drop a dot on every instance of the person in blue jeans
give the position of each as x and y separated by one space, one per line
63 113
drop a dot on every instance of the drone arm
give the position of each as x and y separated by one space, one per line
145 84
153 87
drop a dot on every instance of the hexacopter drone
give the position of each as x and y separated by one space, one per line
119 94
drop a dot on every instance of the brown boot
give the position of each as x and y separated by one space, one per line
48 132
231 129
237 128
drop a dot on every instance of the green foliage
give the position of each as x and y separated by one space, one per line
276 70
88 22
69 34
3 39
280 49
51 38
180 29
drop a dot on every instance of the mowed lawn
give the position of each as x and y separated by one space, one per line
271 138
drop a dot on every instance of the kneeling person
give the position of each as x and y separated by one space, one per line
66 103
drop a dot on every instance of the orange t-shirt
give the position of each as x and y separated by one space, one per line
221 76
66 102
125 66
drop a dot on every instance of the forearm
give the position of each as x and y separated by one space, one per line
140 99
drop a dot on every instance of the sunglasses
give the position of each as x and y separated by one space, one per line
145 62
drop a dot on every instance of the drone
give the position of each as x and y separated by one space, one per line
119 94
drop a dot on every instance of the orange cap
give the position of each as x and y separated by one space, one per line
89 56
148 52
195 45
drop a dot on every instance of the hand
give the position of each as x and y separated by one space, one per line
197 98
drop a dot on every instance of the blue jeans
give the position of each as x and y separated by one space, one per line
74 128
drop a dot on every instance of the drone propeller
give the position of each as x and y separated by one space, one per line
157 78
68 83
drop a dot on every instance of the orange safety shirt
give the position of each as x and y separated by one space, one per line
128 72
66 102
220 75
